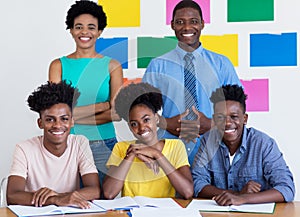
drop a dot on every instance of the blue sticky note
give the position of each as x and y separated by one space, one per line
273 49
116 48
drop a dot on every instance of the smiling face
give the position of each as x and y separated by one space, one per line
142 123
230 119
187 24
85 31
56 123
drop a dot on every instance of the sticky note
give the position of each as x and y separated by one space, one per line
204 4
273 49
116 48
250 10
226 45
121 13
258 95
127 81
150 47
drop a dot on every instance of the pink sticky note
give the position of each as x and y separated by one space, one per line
258 94
204 4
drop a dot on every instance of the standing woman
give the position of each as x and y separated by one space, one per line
97 77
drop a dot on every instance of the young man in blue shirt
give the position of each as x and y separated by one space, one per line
236 164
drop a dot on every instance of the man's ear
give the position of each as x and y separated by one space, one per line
202 24
245 118
40 123
172 24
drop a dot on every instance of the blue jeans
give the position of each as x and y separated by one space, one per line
101 151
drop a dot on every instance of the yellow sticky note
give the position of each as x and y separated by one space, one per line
222 44
121 13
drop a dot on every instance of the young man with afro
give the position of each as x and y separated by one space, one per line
46 168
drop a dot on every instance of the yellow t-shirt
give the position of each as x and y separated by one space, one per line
140 180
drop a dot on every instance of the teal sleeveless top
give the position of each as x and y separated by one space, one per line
91 76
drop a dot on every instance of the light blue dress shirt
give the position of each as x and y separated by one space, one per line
167 73
258 159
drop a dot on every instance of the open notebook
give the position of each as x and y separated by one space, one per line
124 203
212 206
136 202
20 210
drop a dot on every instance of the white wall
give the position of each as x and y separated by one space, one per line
33 33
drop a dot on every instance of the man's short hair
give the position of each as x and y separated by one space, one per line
187 4
231 92
51 93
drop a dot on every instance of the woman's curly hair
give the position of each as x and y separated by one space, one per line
137 94
86 7
51 93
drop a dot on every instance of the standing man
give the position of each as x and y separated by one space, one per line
186 76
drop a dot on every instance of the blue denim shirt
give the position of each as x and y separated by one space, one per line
258 159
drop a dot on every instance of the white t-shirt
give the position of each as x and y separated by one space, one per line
40 168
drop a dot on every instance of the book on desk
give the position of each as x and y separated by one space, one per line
140 206
212 206
168 206
143 207
136 202
21 210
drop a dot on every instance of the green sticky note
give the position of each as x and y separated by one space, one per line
149 47
250 10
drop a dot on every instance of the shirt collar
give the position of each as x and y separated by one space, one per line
182 52
242 147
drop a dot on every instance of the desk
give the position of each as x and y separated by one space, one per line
281 210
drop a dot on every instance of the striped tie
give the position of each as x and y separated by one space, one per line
190 85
